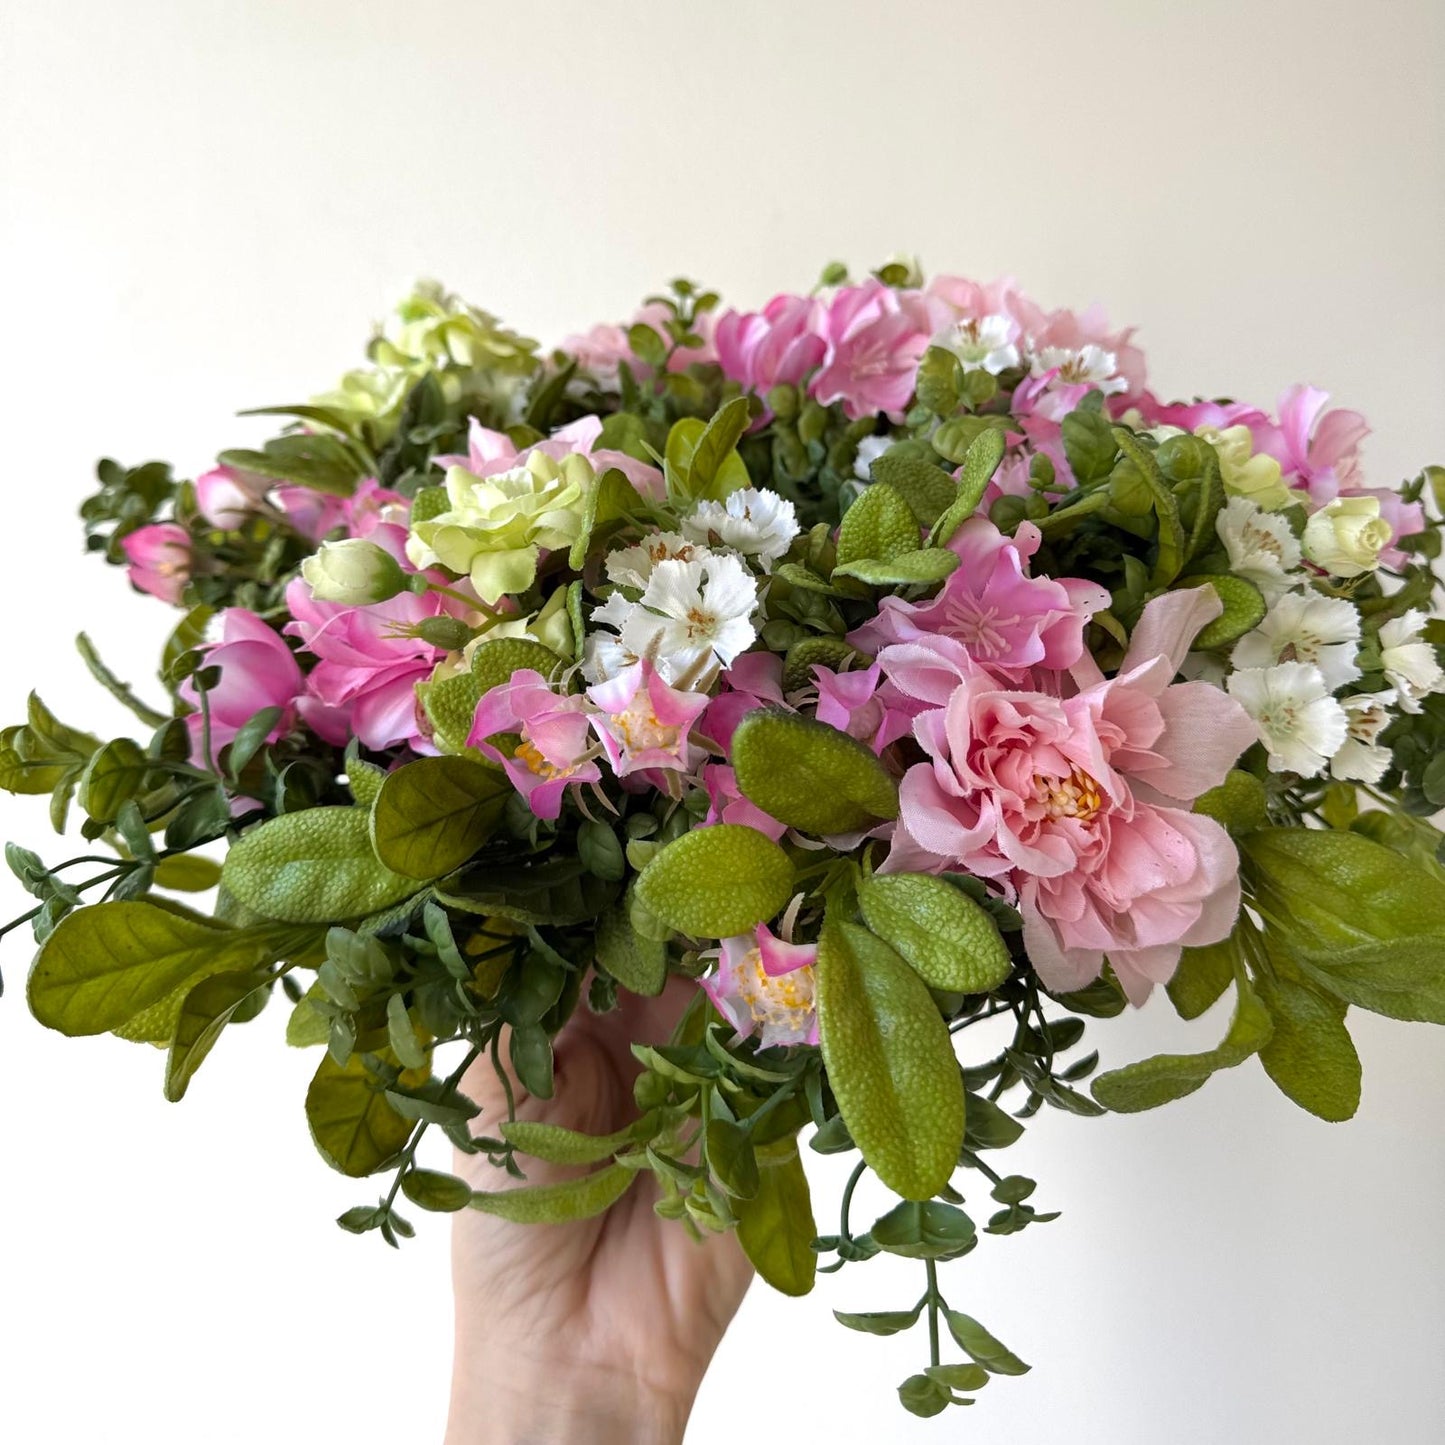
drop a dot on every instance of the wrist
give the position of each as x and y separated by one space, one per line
565 1404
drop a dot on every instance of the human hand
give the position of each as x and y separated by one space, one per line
597 1331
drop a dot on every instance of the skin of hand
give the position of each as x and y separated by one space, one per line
597 1331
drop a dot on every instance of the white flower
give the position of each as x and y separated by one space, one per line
353 572
1244 471
1409 661
1305 627
1360 759
1300 724
756 523
1261 547
986 342
693 615
869 450
632 566
1087 366
1346 536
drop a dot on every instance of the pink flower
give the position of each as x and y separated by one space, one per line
160 559
371 505
1050 332
754 680
225 497
1316 449
490 452
258 671
313 514
849 702
1077 804
765 986
371 659
1006 620
778 345
729 806
876 337
644 722
555 747
605 347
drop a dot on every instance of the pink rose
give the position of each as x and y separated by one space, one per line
257 671
1075 800
160 560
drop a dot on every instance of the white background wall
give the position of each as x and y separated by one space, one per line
205 204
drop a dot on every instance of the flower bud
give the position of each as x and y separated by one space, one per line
1346 536
353 572
449 633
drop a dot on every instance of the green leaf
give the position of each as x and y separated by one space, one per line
433 814
1239 803
187 873
1243 610
442 1193
311 459
610 499
927 566
315 866
1167 1077
924 1229
495 662
989 1127
553 1144
1170 556
558 891
982 1347
980 462
732 1159
880 1322
810 652
716 882
702 460
810 776
880 525
948 939
308 1026
207 1009
639 964
1089 446
924 1397
114 774
928 489
939 379
564 1203
600 851
107 963
404 1042
959 1377
1201 978
530 1050
1310 1055
353 1125
775 1226
890 1061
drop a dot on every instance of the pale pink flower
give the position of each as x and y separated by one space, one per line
778 345
1317 450
765 986
603 349
258 671
643 722
225 496
727 804
1006 620
1069 332
1075 801
311 513
876 338
754 680
555 750
491 452
159 557
849 701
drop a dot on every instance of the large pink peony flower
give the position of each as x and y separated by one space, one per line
1005 619
159 558
876 338
371 659
258 671
1077 804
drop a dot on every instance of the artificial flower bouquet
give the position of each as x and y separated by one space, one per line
888 670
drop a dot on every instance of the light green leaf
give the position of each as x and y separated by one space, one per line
564 1203
553 1144
1170 556
639 964
1201 978
811 776
353 1125
1239 804
610 499
880 1322
188 873
1243 609
207 1009
441 1193
315 866
431 815
948 939
775 1226
982 1347
716 882
980 462
890 1061
928 489
1089 445
702 462
932 564
879 525
114 773
1310 1055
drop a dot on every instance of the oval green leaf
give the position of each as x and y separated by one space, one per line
776 1229
353 1125
433 814
716 882
950 940
563 1203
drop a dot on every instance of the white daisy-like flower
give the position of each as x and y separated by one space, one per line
693 615
1305 627
1261 547
756 523
1085 366
987 342
869 450
632 566
1360 758
1300 724
1409 662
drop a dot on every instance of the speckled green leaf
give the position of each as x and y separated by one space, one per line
558 1203
932 564
775 1226
716 882
1243 610
1310 1055
880 525
950 940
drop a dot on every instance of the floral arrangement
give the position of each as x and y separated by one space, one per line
883 665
